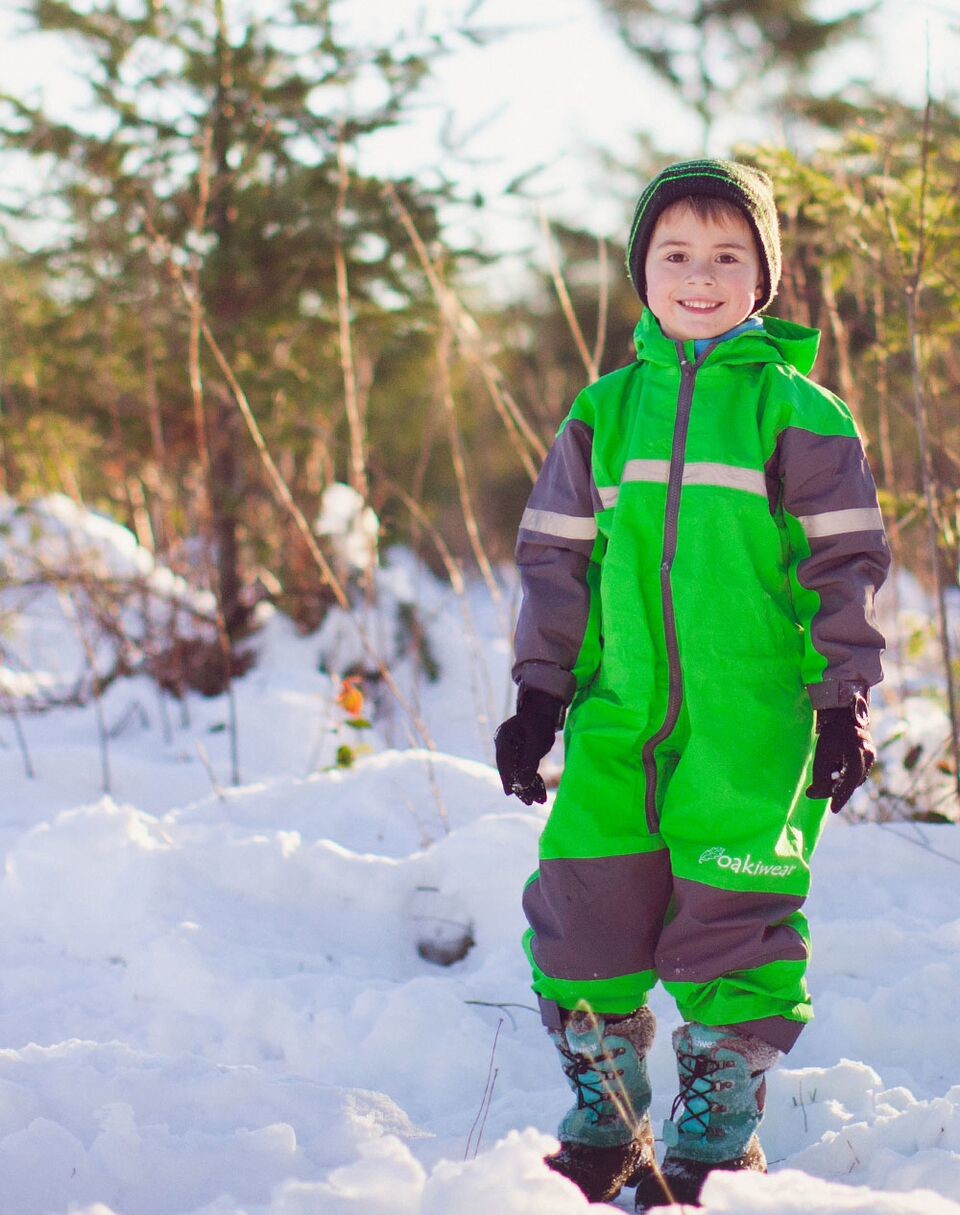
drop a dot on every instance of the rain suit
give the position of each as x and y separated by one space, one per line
699 558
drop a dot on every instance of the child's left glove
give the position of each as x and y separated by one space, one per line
845 752
523 740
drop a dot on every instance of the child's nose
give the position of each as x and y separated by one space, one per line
699 270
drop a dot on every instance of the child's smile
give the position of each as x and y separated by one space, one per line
703 277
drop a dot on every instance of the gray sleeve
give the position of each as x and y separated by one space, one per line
555 542
827 486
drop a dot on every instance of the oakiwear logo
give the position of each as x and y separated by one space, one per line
743 864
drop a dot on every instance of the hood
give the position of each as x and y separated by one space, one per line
777 342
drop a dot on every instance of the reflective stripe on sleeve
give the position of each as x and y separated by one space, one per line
837 522
551 523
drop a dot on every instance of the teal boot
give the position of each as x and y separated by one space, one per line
714 1120
605 1139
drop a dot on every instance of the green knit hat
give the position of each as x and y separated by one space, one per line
749 189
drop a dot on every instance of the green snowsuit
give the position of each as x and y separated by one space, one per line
699 558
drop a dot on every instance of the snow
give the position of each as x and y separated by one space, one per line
214 999
352 526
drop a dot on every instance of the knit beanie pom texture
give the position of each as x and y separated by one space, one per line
748 189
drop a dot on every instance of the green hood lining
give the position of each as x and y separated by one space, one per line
778 342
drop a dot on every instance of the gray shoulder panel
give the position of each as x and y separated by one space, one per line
846 571
824 481
557 535
553 617
825 475
563 503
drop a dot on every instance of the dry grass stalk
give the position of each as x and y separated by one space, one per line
72 608
590 361
355 421
459 462
603 300
10 710
200 426
482 692
530 449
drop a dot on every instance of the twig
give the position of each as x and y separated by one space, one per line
91 658
11 710
200 426
450 563
480 684
522 437
602 303
133 712
77 576
483 1122
205 760
437 795
164 715
459 464
589 361
485 1100
920 843
803 1105
358 463
504 1006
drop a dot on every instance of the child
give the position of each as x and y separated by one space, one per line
699 558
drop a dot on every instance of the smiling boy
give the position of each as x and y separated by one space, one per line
702 271
699 558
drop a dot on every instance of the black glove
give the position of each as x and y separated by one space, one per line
845 752
523 740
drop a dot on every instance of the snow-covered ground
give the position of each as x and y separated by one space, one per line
213 999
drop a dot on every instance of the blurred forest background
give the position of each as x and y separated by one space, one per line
210 314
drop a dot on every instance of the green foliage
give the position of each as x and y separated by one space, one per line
49 452
215 150
872 225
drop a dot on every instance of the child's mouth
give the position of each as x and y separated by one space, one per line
700 305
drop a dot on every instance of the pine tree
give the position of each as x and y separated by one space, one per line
210 166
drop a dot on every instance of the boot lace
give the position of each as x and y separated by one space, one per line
594 1083
698 1081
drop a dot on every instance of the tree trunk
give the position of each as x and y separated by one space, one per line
223 304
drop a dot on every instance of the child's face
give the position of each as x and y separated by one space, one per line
703 276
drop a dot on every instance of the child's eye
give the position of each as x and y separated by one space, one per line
727 259
676 257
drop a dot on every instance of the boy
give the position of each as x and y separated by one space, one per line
699 558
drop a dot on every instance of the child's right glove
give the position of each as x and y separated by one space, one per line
523 740
845 752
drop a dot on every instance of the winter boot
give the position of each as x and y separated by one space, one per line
714 1120
605 1139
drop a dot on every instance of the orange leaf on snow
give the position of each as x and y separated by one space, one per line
350 698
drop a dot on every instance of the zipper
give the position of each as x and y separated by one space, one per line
688 373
